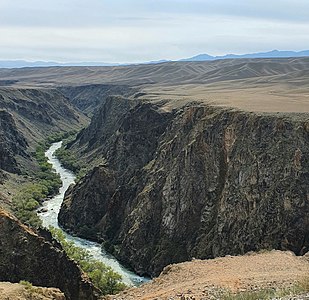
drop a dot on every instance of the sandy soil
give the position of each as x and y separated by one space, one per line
15 291
208 279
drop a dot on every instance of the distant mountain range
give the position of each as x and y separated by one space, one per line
200 57
270 54
24 63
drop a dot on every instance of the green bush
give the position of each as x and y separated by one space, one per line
27 284
298 288
47 177
256 295
59 136
26 201
102 276
70 161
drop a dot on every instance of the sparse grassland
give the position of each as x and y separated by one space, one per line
271 293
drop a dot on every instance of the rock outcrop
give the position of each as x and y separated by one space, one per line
198 181
25 255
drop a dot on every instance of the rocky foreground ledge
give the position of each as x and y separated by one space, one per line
222 277
16 291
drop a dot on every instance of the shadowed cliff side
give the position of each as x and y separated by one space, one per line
197 182
12 143
25 255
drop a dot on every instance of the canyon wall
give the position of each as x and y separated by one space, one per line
39 112
25 255
12 143
29 116
196 181
89 97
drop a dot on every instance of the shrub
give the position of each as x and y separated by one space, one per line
257 295
25 283
26 201
294 290
102 276
69 161
46 183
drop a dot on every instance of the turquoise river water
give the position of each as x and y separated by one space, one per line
49 218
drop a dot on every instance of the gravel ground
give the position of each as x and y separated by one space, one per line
211 279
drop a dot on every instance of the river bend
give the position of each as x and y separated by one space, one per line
50 218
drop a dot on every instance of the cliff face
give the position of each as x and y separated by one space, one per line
196 182
119 133
12 143
24 255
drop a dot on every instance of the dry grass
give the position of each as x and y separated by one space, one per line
272 293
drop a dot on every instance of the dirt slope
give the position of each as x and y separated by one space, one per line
205 279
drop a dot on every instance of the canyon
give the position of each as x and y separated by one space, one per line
185 159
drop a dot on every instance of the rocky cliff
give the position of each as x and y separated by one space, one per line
198 181
25 255
12 143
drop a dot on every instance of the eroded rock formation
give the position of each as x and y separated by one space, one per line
25 255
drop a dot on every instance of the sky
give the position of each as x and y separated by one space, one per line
122 31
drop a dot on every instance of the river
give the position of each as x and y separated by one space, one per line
50 218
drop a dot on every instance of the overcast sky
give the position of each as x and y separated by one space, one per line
144 30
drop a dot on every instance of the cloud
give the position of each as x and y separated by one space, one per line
76 13
139 30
